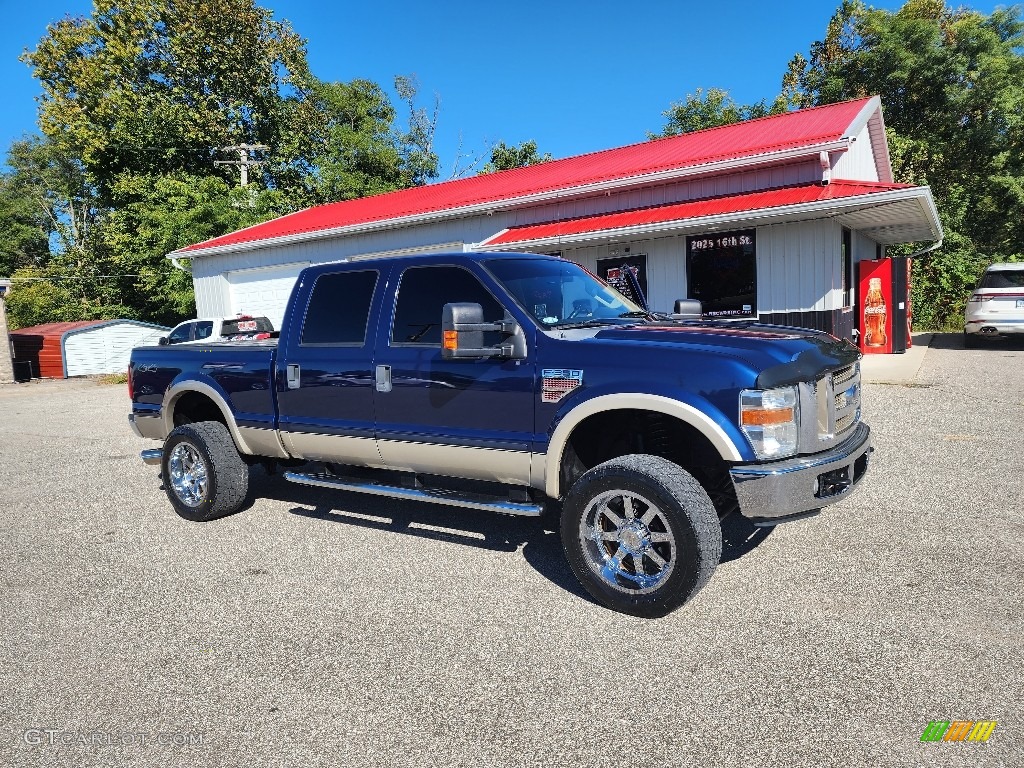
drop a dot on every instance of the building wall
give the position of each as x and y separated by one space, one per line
799 267
665 194
666 265
858 162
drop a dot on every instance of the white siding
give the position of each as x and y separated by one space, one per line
106 348
864 247
798 267
857 163
213 293
666 266
263 291
665 194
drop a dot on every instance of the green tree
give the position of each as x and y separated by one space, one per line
712 109
349 142
416 143
50 214
161 214
23 227
139 101
54 187
36 297
952 87
159 86
505 158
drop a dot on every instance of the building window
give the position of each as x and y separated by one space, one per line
721 271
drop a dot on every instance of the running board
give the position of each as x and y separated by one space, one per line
436 496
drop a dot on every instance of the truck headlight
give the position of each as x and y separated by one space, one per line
770 419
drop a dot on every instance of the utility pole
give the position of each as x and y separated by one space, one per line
243 161
6 367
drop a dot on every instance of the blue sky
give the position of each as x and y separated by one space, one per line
575 76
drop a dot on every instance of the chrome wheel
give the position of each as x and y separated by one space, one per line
627 542
188 474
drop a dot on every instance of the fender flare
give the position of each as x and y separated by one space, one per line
175 391
634 401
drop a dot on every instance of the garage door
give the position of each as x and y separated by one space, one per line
263 291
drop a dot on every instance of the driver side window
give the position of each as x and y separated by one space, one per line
422 294
180 334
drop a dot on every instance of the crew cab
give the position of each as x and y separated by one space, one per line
519 384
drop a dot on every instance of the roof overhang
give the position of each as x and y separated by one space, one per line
902 215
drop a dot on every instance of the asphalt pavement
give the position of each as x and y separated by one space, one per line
326 629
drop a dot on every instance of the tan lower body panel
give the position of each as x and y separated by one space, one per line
501 466
496 465
337 449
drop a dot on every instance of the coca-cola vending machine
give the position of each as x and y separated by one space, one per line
884 303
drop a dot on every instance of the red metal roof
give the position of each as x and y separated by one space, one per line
793 130
691 209
55 329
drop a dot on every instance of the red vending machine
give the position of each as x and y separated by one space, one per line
884 301
875 299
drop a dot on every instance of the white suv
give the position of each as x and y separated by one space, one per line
996 308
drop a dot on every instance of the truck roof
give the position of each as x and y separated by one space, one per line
433 258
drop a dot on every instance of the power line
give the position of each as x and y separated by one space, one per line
243 161
64 277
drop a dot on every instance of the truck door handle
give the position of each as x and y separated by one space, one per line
292 374
383 378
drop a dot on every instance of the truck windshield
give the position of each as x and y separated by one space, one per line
560 293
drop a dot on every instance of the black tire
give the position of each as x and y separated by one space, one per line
666 521
203 473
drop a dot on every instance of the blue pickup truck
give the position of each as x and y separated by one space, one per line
519 384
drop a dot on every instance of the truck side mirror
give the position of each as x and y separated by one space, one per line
688 309
462 334
163 341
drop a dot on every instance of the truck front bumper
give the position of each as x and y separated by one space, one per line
792 488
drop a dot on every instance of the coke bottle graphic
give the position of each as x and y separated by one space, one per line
874 314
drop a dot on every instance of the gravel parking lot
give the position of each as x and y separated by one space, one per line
318 628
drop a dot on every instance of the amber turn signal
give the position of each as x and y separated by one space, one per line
767 417
451 339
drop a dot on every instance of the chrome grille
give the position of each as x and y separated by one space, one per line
846 402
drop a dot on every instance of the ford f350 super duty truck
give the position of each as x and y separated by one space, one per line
508 382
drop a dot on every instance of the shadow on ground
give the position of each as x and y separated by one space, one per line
956 341
537 537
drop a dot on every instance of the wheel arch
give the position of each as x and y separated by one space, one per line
175 395
687 414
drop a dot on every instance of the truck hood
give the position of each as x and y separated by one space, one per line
781 355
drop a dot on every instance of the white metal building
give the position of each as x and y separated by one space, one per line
764 219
